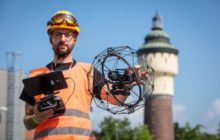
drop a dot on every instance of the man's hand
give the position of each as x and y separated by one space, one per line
141 76
41 116
32 111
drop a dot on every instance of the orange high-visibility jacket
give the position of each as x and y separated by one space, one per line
75 124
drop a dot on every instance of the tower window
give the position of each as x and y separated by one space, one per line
166 60
164 86
150 59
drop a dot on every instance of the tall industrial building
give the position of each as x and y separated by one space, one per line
11 107
163 57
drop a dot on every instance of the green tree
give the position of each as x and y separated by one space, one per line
207 136
187 132
120 129
141 133
115 129
218 131
193 133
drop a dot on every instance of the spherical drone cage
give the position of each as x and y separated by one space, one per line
116 61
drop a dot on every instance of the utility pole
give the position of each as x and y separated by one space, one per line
13 90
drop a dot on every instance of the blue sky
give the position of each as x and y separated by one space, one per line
193 27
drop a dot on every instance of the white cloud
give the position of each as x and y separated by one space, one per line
211 118
178 109
179 113
214 111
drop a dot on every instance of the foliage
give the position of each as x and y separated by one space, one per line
192 133
120 129
207 136
218 130
141 133
117 129
187 132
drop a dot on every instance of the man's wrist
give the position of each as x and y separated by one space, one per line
34 119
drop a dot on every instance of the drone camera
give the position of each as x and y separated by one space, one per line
124 78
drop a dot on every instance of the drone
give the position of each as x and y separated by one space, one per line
116 67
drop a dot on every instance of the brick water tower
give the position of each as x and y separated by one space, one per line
163 57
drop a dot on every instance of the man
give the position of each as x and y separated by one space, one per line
75 123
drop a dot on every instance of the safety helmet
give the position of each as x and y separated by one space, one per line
62 19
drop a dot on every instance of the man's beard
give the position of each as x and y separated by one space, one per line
61 53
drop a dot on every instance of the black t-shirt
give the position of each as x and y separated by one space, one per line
98 81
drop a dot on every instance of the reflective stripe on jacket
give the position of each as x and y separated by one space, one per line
75 124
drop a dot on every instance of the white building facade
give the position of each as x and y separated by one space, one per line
11 107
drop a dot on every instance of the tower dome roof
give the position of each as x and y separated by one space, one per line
157 39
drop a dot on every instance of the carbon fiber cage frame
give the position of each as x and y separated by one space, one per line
113 64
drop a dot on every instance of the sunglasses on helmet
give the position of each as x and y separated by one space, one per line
60 18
